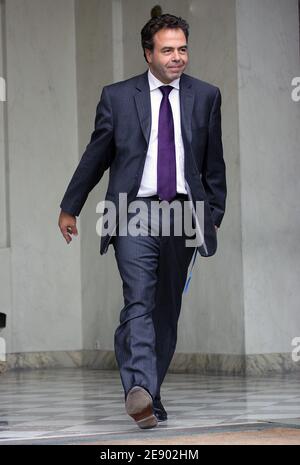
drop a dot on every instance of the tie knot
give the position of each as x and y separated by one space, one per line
166 90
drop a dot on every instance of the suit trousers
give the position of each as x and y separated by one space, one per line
153 270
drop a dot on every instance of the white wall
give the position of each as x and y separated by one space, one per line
42 135
269 121
5 257
3 199
101 291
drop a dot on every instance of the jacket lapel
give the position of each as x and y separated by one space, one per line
187 98
143 104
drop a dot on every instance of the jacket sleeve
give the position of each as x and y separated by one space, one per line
213 169
96 158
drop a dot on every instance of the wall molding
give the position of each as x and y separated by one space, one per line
217 364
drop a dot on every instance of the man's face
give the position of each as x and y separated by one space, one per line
169 57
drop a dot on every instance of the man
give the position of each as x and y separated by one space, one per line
159 133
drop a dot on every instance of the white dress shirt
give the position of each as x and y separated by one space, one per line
149 179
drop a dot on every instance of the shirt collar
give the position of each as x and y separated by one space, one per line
155 83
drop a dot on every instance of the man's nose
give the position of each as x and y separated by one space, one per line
175 56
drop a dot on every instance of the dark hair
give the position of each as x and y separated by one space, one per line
157 23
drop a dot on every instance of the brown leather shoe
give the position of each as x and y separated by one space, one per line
139 406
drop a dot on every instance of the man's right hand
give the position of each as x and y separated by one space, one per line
67 225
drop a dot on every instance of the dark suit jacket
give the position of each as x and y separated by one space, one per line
120 140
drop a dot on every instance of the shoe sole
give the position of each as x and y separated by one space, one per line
139 406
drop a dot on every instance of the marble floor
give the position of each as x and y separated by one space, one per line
64 404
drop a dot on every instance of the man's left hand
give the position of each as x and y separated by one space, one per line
216 228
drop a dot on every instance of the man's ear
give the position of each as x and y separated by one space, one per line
148 54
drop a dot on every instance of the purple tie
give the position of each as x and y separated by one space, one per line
166 160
